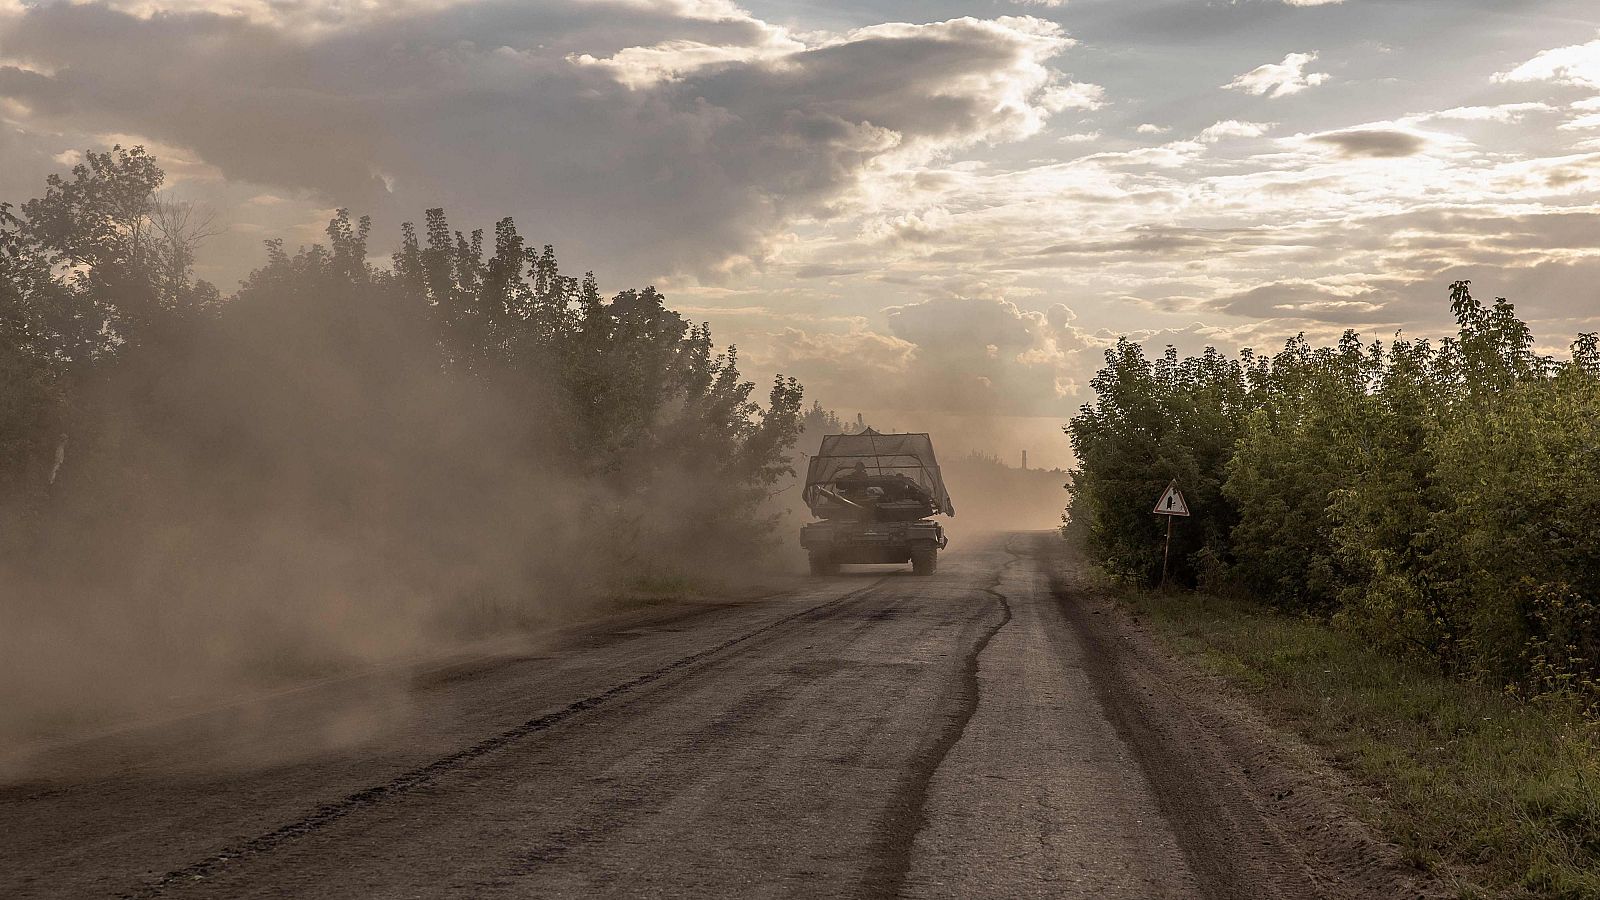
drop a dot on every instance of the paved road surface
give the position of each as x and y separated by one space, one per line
987 732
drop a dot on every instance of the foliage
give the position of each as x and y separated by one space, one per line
1154 422
1431 498
33 362
476 385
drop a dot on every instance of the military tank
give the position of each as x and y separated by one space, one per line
875 495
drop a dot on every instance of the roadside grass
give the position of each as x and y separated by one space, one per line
1500 798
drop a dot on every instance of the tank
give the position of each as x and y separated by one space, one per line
875 495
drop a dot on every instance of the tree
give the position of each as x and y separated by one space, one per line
1154 422
36 344
1434 498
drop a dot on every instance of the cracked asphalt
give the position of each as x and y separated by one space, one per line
986 732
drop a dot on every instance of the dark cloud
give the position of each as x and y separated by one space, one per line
827 271
1373 143
527 108
1169 240
1305 302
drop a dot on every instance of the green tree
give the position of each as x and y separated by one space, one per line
1435 498
1154 422
1305 440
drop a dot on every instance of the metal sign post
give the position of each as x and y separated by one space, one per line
1172 505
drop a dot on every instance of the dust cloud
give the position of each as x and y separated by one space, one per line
297 489
991 496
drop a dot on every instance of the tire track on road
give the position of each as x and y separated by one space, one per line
907 814
329 813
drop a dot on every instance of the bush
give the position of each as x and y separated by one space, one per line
1433 498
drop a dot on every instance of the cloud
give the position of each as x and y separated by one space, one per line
1171 155
1233 128
960 355
1073 95
1505 112
651 138
1575 65
858 358
1280 79
1304 300
1372 143
1164 241
1149 128
305 18
642 67
1311 2
1081 137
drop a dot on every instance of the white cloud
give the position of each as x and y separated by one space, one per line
1312 2
1576 65
1582 123
1280 79
1048 3
640 67
1149 128
1171 155
1505 112
1233 128
1073 95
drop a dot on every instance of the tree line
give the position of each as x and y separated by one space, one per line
468 419
1438 498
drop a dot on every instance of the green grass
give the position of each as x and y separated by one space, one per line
1501 798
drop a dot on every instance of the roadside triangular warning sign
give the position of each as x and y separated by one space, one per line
1171 502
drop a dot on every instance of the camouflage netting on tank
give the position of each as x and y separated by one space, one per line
909 455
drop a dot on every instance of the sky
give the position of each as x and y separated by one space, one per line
937 213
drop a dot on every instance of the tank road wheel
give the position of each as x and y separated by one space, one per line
823 564
924 560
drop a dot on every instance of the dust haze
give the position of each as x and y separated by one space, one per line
991 495
343 465
290 515
320 477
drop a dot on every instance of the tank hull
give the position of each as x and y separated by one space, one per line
834 543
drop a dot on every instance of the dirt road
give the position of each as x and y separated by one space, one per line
992 731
